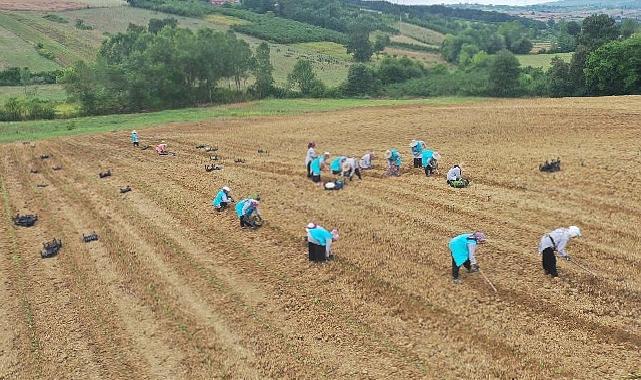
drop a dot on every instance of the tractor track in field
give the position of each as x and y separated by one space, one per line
175 290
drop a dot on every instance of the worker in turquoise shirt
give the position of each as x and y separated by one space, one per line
429 160
337 165
223 199
319 242
463 249
393 162
246 209
317 166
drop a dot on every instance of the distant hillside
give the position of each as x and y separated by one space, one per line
612 4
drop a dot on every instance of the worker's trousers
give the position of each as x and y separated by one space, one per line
455 268
549 262
316 252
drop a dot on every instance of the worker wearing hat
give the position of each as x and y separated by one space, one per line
393 162
429 160
223 199
134 138
553 242
417 147
245 210
463 250
316 167
319 242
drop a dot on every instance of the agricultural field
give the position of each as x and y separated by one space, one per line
21 31
542 60
427 36
174 290
426 58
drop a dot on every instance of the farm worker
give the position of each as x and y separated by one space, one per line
337 164
311 155
319 242
365 162
463 249
417 147
134 138
161 148
556 241
350 167
393 162
429 160
316 166
223 199
245 210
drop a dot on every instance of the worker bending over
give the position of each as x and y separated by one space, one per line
223 199
393 162
319 242
351 166
316 167
162 148
463 250
417 147
429 160
553 242
365 162
337 164
247 212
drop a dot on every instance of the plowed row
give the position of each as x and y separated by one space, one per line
174 290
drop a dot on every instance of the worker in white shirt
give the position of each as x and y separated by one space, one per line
365 162
553 242
311 155
350 167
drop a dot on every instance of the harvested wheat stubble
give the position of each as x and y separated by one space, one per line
41 5
188 294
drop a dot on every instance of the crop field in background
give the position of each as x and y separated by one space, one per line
21 31
175 290
542 60
426 58
16 52
427 36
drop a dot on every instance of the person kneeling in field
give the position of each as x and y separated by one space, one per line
351 167
337 164
553 242
317 166
417 147
319 242
429 160
162 148
463 250
365 162
455 178
223 199
247 212
393 162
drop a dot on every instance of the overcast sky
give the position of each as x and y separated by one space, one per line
496 2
